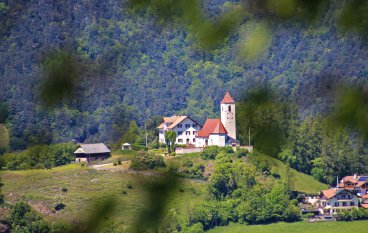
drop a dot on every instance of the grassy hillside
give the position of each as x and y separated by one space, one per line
299 227
85 185
302 182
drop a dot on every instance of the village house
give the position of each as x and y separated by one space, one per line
184 127
335 200
91 152
356 184
364 202
215 132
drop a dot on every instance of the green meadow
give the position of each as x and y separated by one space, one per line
86 186
298 227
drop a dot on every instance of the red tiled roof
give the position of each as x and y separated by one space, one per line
227 99
365 206
365 196
351 179
212 126
329 193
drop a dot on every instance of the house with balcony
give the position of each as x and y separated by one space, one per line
364 203
336 200
357 184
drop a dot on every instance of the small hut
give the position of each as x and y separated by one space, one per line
91 152
126 146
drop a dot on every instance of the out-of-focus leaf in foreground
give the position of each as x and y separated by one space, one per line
159 191
351 110
209 32
97 218
265 115
4 137
355 17
255 43
61 71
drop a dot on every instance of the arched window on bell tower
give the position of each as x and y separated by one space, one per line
229 108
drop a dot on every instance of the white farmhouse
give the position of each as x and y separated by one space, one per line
184 127
336 200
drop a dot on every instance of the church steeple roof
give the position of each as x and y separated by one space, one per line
227 98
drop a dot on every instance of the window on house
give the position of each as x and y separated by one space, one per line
194 125
180 132
229 108
180 125
194 132
187 140
180 140
344 204
187 125
337 204
193 139
187 133
352 203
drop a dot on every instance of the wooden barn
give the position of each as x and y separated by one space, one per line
91 152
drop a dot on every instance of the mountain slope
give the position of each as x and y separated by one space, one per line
144 69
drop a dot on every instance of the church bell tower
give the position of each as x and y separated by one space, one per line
228 114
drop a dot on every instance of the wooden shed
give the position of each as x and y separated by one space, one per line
91 152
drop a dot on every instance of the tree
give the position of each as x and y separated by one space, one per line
170 137
132 135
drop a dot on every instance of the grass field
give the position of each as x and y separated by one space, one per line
85 185
299 227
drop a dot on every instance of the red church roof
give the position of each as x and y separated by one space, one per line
212 126
227 99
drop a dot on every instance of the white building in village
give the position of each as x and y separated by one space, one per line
185 128
220 132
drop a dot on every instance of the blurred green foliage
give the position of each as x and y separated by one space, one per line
159 191
4 138
61 73
351 110
267 117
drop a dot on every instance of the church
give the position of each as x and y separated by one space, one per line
214 132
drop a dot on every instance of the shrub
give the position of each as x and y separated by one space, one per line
124 191
275 173
196 228
210 152
241 152
115 163
145 160
137 147
129 186
188 163
64 190
227 149
119 162
23 218
59 205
